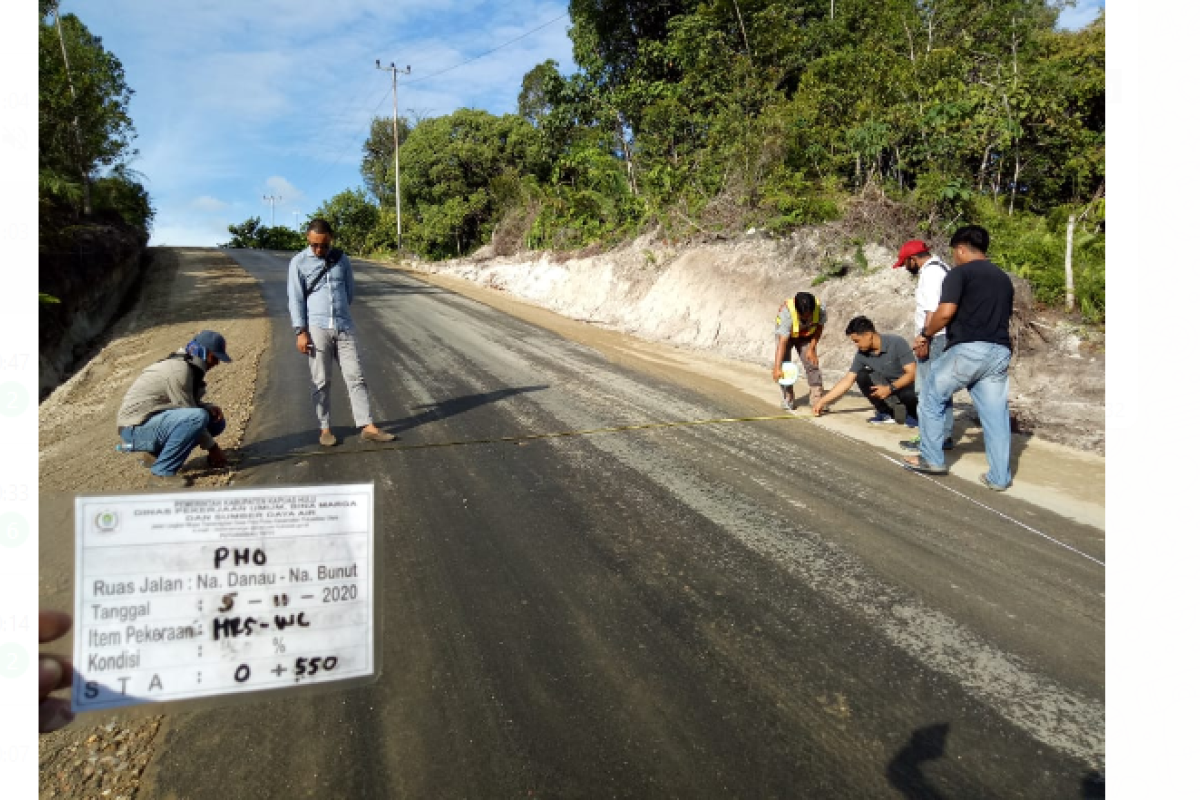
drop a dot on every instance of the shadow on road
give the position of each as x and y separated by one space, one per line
904 770
1018 444
301 443
1092 786
450 408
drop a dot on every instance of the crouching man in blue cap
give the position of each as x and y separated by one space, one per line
162 414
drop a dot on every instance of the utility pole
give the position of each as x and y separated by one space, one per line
272 199
396 142
296 219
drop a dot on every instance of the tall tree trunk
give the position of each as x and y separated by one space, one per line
742 25
1012 195
85 177
987 151
1069 270
628 153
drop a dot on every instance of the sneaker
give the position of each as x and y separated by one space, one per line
983 478
915 444
786 405
168 483
881 419
911 422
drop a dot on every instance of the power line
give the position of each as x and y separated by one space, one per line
356 140
326 138
367 128
488 53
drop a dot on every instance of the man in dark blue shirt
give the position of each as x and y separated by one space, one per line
975 309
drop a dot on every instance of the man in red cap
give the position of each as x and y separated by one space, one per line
930 271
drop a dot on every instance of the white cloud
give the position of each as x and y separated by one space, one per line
190 232
279 186
208 203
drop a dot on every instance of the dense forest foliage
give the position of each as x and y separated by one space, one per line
706 118
85 134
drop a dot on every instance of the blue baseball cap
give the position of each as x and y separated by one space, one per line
214 343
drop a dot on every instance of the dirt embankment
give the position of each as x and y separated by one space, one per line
91 271
186 291
723 296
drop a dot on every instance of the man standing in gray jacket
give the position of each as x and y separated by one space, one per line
320 290
163 415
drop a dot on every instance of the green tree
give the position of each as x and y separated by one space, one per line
355 220
254 235
379 161
121 194
83 120
245 234
534 102
450 163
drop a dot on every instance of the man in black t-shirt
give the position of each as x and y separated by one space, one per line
975 309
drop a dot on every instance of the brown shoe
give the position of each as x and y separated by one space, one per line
378 436
167 483
328 439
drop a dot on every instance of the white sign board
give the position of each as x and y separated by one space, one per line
202 593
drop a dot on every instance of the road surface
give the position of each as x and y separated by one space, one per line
756 609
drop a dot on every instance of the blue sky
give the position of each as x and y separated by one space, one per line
237 100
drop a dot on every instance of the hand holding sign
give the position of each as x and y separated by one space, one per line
199 594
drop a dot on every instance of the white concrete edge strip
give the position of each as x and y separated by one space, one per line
1000 514
941 485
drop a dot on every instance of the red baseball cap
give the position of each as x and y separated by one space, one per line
910 249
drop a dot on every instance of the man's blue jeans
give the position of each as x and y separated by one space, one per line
171 435
937 347
982 369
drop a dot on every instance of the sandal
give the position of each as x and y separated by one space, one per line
924 466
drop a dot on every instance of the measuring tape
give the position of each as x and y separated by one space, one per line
529 437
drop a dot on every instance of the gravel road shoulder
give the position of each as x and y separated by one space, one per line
186 290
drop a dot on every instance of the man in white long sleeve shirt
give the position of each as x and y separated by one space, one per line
320 290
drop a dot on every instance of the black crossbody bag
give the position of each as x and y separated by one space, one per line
332 258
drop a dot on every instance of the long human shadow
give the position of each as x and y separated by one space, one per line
453 407
300 443
904 770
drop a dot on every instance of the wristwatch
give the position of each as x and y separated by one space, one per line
892 387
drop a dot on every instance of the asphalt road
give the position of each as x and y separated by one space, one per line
762 609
